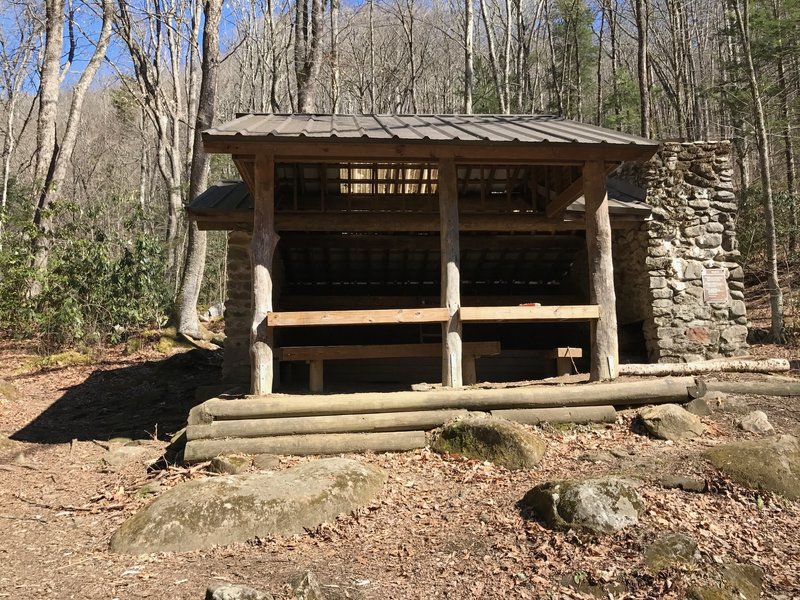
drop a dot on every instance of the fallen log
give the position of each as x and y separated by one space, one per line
679 389
577 414
374 422
301 445
756 388
769 365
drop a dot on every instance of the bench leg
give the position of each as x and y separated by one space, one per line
315 375
468 365
563 366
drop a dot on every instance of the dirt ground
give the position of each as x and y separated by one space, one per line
442 527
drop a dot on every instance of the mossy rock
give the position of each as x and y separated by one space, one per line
771 464
671 550
738 580
710 592
236 508
230 464
594 505
170 342
502 442
70 358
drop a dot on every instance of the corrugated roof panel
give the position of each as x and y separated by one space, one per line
539 129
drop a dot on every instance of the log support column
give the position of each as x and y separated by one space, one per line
262 251
451 279
605 348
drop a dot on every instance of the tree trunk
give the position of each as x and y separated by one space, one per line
775 293
642 66
186 304
469 68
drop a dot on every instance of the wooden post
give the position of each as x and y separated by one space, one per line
451 279
262 250
605 348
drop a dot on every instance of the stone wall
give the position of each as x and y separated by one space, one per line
236 361
660 267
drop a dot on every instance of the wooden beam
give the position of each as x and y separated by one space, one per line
300 301
429 242
380 351
262 251
357 317
565 198
604 343
452 373
325 150
496 314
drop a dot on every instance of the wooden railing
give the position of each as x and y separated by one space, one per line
476 314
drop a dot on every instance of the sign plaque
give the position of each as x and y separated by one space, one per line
715 288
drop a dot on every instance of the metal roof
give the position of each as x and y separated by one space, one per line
473 129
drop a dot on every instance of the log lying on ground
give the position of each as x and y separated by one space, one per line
679 389
770 387
577 414
300 445
769 365
251 428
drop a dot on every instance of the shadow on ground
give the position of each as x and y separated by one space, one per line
150 399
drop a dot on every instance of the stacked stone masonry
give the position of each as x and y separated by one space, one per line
660 267
238 315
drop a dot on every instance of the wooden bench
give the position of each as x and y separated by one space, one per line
316 355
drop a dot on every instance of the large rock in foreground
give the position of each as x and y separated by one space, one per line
236 508
502 442
771 463
599 505
671 422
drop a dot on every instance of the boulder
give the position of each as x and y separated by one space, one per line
235 508
502 442
131 452
8 391
670 422
738 581
770 463
671 550
229 591
755 422
698 407
597 505
229 464
266 462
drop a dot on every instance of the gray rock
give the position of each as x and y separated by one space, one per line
670 422
671 550
235 508
502 442
744 580
755 422
726 402
8 391
229 591
266 462
596 457
120 456
685 483
307 587
598 505
698 407
770 463
229 464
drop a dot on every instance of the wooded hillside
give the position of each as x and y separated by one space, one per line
102 102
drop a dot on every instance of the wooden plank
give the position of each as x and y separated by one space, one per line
428 242
262 251
380 351
315 375
357 317
450 253
569 352
492 314
666 389
303 445
343 302
604 342
367 423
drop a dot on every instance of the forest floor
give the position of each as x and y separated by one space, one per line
443 527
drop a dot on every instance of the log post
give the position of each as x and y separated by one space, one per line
451 279
605 348
262 250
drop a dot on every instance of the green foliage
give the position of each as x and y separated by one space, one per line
96 288
621 105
